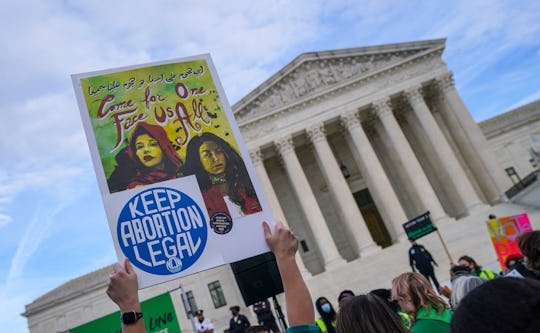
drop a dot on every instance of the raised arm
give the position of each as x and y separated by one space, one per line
123 291
284 244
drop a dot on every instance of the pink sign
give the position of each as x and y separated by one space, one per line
503 233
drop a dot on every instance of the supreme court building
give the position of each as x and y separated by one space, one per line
348 145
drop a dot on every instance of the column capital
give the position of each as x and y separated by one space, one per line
414 95
284 145
316 133
445 81
256 156
349 120
382 107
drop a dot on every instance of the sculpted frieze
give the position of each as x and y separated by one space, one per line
315 76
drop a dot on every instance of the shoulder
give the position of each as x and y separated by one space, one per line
303 329
430 325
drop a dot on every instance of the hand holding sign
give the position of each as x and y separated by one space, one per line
122 287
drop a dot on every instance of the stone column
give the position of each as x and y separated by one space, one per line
342 197
378 183
410 163
443 150
475 135
257 159
308 203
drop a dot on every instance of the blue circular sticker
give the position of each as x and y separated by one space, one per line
162 231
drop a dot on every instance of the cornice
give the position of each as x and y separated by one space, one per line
70 290
512 119
380 81
427 45
343 86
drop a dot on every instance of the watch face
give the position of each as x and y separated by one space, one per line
131 317
128 317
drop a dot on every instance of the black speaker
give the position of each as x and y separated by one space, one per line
257 277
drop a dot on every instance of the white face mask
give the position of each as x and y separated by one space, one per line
326 308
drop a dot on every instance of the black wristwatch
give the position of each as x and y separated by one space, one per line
131 317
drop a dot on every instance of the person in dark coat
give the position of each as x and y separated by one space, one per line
238 323
265 316
420 258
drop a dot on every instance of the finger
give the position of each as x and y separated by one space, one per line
266 228
117 268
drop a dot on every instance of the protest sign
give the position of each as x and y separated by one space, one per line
503 233
177 183
158 314
419 227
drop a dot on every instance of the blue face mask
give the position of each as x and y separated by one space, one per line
326 308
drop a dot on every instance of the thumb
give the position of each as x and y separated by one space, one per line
128 267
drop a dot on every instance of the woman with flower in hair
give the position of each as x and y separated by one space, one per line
420 301
222 176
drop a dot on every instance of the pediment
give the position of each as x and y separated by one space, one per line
312 73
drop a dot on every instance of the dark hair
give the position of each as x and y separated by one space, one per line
367 313
470 260
235 171
327 318
344 294
529 244
385 295
501 305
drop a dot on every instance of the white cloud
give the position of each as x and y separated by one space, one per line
5 220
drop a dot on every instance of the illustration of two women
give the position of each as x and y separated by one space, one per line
221 173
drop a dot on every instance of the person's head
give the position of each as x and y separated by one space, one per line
200 314
212 158
413 242
459 270
412 291
386 296
512 259
462 286
492 216
257 329
367 313
529 244
344 294
235 310
210 154
150 148
207 155
148 151
500 305
325 308
469 262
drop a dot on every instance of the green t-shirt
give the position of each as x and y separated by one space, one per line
432 322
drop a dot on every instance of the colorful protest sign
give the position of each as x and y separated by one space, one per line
504 231
177 183
158 314
419 227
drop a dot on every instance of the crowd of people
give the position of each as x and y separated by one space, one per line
478 300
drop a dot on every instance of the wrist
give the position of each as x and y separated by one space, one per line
134 305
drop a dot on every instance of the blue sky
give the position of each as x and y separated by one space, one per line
52 221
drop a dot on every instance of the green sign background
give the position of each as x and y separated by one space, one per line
159 317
